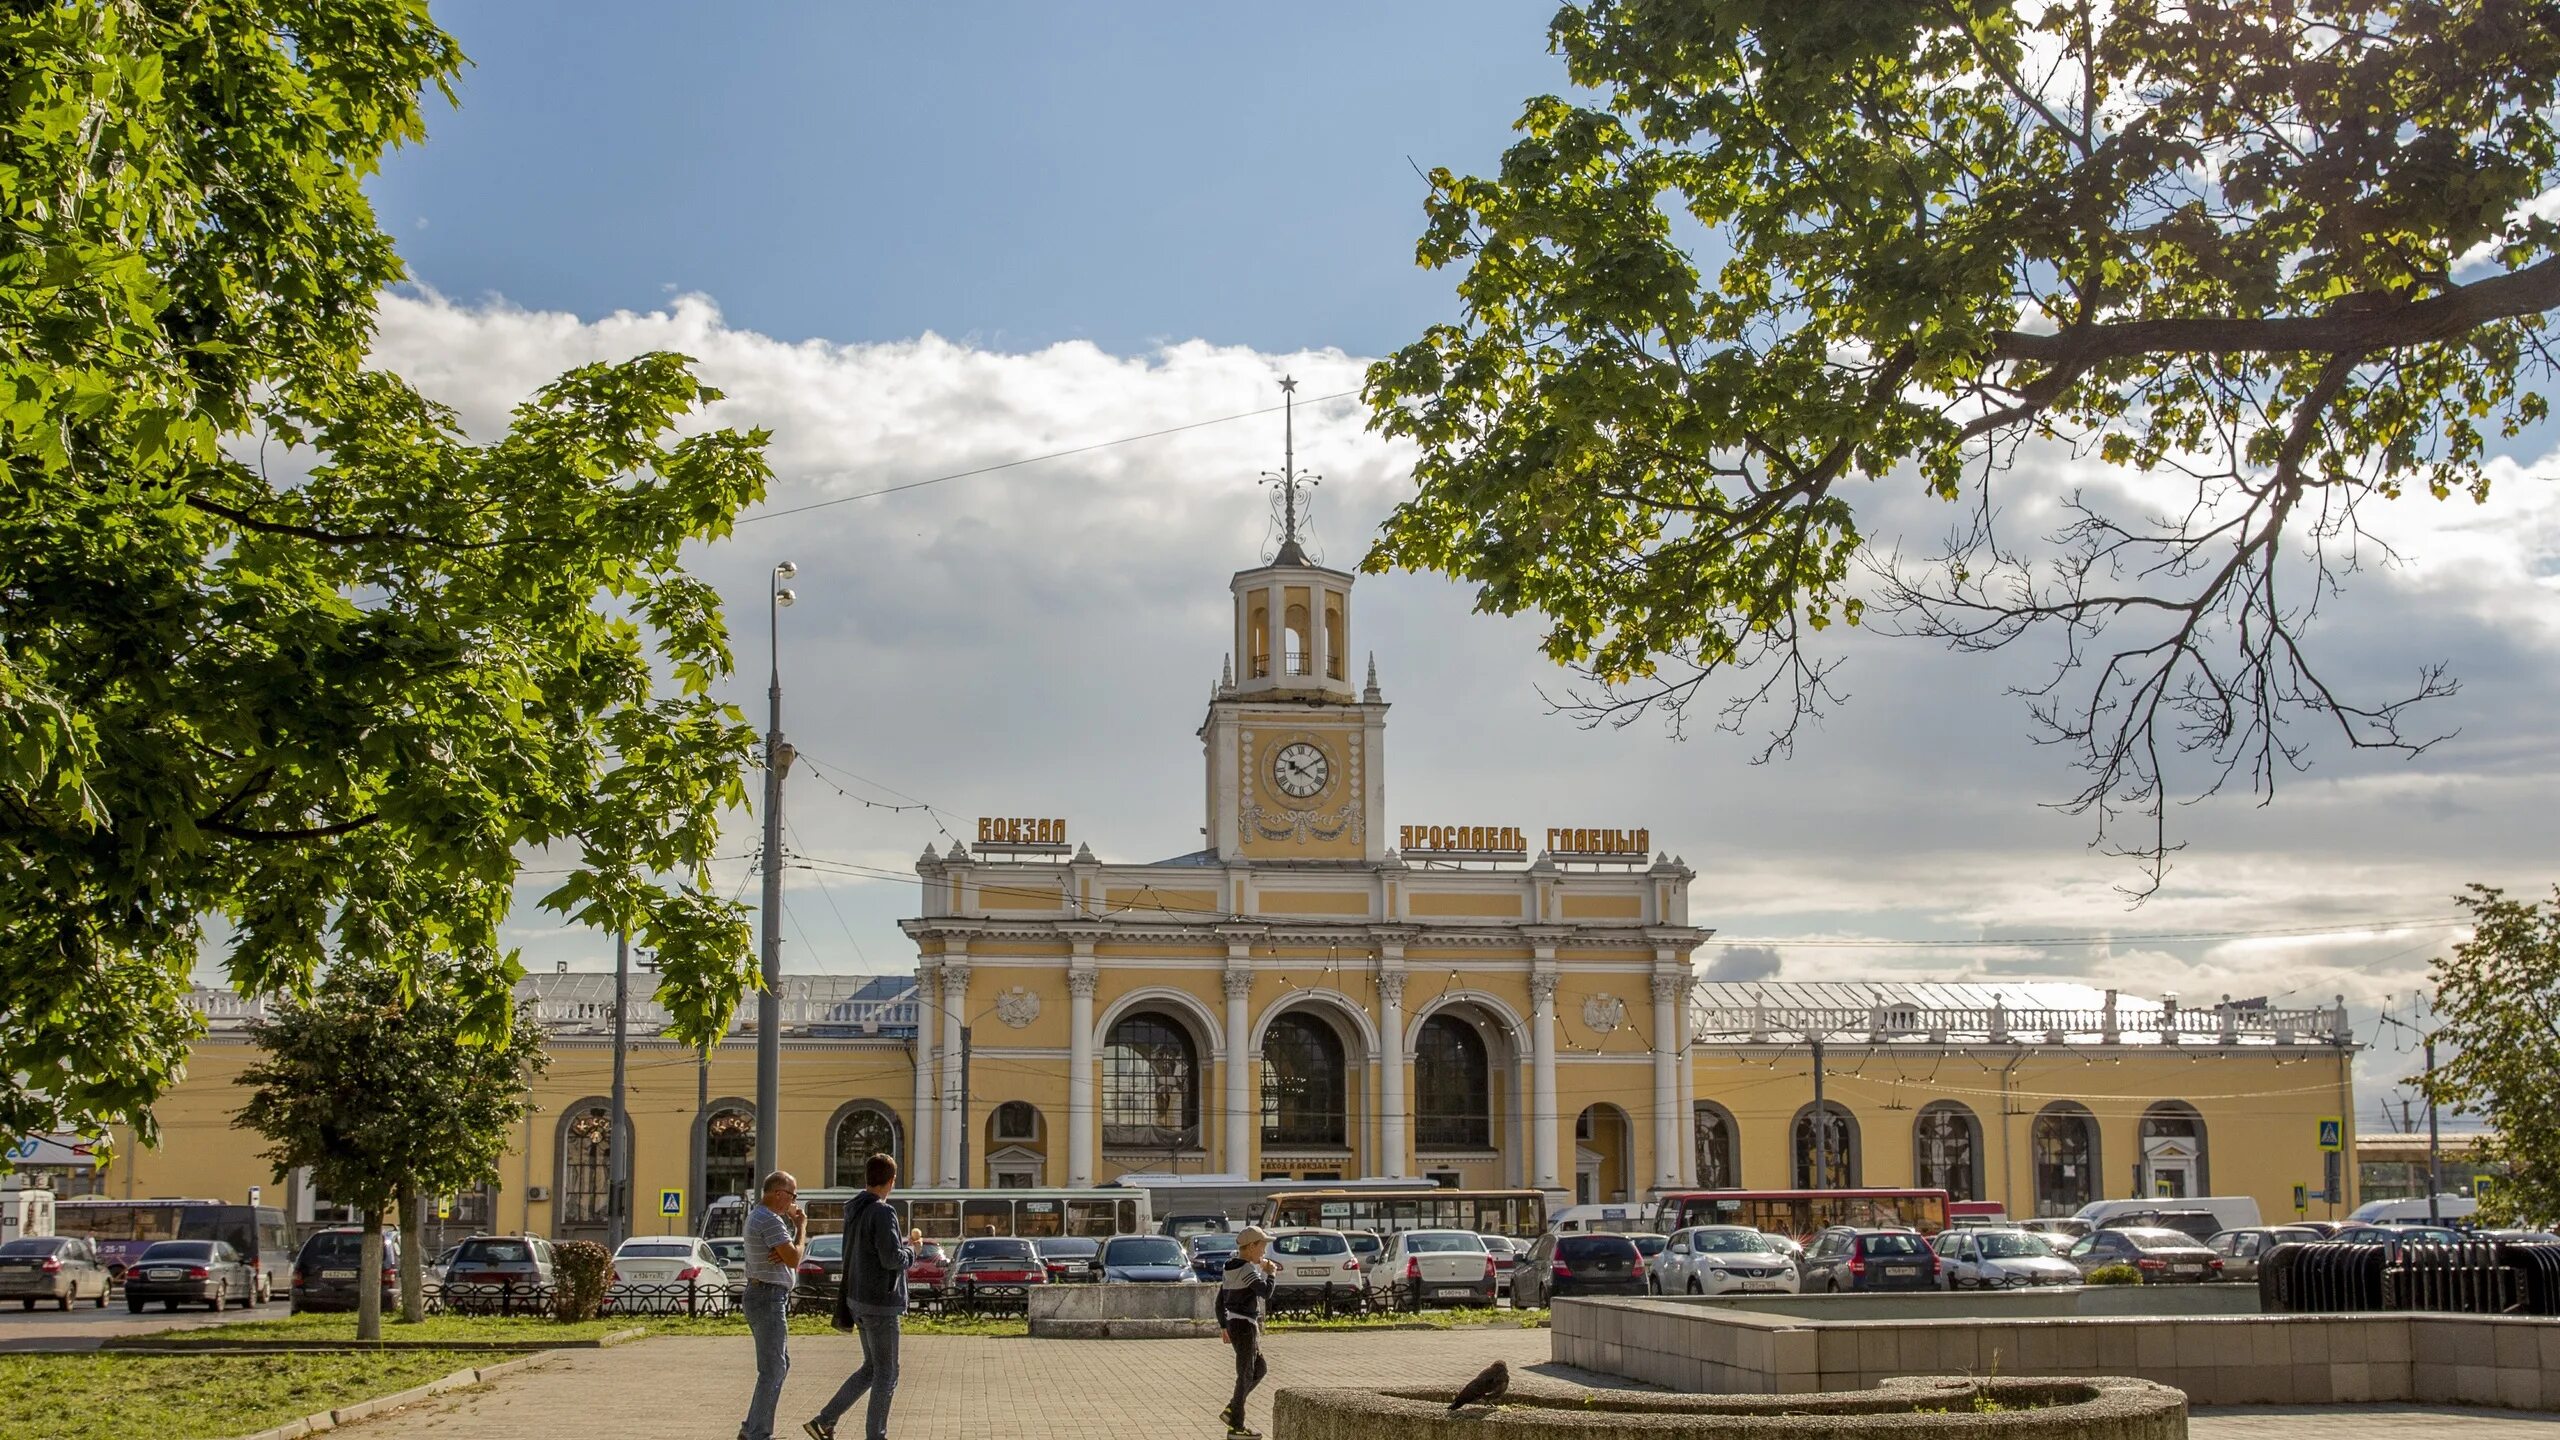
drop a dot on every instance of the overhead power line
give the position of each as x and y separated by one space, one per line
1032 460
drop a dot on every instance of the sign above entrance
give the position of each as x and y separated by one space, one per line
1476 840
1599 844
1019 835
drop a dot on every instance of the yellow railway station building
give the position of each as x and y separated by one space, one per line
1330 990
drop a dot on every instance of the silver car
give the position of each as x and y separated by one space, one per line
55 1268
2242 1249
1986 1259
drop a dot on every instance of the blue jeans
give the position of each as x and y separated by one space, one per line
879 1375
768 1319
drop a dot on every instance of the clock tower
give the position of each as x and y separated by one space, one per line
1296 752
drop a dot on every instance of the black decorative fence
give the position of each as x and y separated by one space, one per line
1325 1303
691 1298
2476 1277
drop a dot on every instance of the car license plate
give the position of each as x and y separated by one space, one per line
337 1274
1313 1272
1755 1286
1453 1292
2188 1269
161 1274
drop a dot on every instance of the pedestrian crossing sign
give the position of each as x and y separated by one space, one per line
444 1207
2301 1199
671 1202
2332 1134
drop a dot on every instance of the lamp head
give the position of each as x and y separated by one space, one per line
785 570
784 598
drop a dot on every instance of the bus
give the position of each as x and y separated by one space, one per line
1236 1199
123 1229
1802 1214
1520 1214
944 1214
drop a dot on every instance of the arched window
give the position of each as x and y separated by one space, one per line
1333 641
1150 1085
862 1129
586 1167
1833 1165
1295 626
729 1153
1017 1122
2065 1144
1452 1085
1712 1134
2173 1151
1302 1083
1946 1150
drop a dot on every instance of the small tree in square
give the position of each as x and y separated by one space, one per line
388 1086
2498 1012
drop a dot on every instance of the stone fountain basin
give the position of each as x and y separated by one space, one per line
1915 1408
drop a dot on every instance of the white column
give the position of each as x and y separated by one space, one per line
1666 1082
1319 643
921 1156
1395 1128
1240 1108
955 1005
1278 601
1688 1062
1542 1109
1080 1113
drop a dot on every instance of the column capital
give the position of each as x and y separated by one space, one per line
1542 988
1665 987
1239 982
955 976
1082 983
1391 987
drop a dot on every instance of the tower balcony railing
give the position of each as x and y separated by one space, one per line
1713 1017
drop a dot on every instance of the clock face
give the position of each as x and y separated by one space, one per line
1299 770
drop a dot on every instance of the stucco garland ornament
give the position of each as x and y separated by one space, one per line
1604 1012
1017 1007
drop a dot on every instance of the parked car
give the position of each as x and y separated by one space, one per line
1506 1258
669 1273
1846 1257
2415 1209
328 1271
1072 1258
59 1268
2229 1212
190 1272
2165 1257
1423 1267
1569 1263
928 1271
493 1272
821 1270
1209 1252
1313 1261
1139 1260
2397 1236
1183 1227
731 1251
2240 1250
1789 1246
1987 1259
1720 1260
985 1261
2197 1225
2058 1228
2518 1237
1368 1247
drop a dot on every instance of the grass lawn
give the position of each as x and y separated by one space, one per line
109 1396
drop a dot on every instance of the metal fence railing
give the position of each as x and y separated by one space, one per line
2476 1277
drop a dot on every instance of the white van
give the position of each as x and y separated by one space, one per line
2234 1212
1603 1220
2401 1212
25 1213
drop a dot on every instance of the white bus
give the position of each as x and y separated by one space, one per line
1096 1213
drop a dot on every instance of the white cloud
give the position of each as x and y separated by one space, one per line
1042 639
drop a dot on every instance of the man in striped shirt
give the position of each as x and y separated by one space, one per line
777 1235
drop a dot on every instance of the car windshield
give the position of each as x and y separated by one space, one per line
1142 1250
1365 1243
1211 1244
733 1247
1422 1242
333 1247
1583 1249
987 1248
1497 1244
494 1252
1649 1246
1892 1244
1312 1242
827 1247
37 1246
179 1250
2013 1245
1730 1242
1067 1247
2159 1239
661 1250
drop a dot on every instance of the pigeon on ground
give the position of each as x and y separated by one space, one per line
1486 1389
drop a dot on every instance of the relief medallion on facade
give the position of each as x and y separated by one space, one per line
1604 1012
1017 1007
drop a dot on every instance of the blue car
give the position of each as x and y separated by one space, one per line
1144 1260
1210 1253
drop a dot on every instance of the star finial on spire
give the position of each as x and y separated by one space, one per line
1289 477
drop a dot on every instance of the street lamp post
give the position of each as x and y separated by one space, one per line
777 760
618 1182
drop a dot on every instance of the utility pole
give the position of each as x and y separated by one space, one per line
618 1183
777 760
1821 1125
2435 1132
962 1101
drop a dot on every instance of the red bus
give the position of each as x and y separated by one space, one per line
1802 1213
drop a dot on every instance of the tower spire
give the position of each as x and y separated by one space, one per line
1289 477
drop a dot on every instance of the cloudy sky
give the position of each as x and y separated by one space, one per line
913 242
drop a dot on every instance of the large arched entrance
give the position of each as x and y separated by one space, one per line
2064 1144
1603 1156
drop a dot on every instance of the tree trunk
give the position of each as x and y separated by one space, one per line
369 1279
413 1261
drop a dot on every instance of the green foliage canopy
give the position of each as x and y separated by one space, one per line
2271 262
322 706
2497 1007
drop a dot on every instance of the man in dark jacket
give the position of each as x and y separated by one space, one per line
873 1296
1244 1290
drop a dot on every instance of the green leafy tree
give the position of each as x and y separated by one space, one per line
321 707
388 1086
2497 1009
2274 264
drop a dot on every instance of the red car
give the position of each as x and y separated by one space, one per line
994 1262
928 1271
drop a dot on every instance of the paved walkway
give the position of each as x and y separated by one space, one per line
84 1327
966 1389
